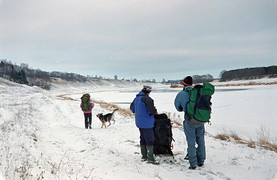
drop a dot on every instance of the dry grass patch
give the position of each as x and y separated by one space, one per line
251 143
246 84
268 145
223 137
177 123
63 96
234 84
105 105
122 111
264 141
238 139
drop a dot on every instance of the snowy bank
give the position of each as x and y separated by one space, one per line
43 137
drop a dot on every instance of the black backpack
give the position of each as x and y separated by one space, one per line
163 135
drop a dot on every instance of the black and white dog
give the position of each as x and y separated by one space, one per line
106 118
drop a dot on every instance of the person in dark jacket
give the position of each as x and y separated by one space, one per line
144 109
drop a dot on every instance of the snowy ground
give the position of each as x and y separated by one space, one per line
43 136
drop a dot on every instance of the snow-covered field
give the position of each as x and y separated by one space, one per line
43 135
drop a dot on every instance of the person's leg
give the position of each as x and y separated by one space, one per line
149 139
187 156
149 136
200 140
191 138
143 149
86 121
89 120
142 139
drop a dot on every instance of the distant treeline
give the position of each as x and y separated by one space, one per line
24 75
196 79
249 73
236 74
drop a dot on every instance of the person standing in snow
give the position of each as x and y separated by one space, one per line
87 106
194 131
144 109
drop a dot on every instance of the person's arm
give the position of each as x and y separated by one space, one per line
177 103
149 103
181 101
92 105
132 106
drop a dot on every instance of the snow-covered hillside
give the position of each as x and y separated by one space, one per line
43 137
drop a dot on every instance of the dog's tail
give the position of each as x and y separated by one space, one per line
115 110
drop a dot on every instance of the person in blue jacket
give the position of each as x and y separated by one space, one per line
144 109
194 131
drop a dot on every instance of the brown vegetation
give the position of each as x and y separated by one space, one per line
63 96
223 137
176 86
264 139
263 142
105 105
246 84
234 84
177 123
122 111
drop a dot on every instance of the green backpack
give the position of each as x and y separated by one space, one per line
85 102
199 105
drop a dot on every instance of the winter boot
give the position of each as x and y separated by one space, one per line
143 151
150 155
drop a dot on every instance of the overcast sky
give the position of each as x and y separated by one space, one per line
142 39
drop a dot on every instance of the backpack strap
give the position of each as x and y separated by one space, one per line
198 94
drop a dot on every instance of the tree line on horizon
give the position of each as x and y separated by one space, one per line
231 75
249 73
23 74
196 79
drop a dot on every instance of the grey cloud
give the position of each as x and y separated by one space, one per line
130 38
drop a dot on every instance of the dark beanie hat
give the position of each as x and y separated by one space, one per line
187 81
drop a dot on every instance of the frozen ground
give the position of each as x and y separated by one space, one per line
43 136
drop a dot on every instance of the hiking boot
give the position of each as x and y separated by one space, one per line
153 162
143 151
143 159
200 165
150 155
192 168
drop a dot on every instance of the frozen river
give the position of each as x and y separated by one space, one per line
239 110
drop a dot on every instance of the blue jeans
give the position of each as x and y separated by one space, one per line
195 135
146 136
